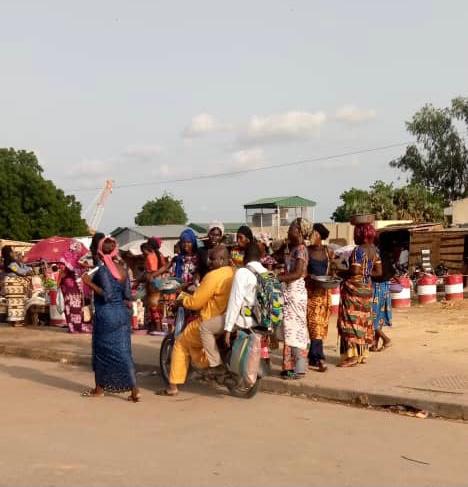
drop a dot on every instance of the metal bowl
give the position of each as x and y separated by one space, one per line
362 219
326 282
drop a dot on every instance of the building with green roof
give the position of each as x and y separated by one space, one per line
274 214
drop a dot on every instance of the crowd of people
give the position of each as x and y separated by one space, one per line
219 289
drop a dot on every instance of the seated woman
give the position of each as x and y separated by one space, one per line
16 285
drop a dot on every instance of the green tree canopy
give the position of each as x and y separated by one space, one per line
31 207
439 159
412 202
165 210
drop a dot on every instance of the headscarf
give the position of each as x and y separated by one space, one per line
155 243
304 225
218 225
246 231
71 258
322 230
108 258
264 238
188 235
364 233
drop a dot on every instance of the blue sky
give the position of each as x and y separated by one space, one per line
143 91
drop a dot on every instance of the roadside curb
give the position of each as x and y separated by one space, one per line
444 409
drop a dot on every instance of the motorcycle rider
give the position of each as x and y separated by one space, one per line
242 298
210 299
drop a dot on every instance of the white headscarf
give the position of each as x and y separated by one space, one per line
218 225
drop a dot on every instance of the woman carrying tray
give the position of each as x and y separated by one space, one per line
318 298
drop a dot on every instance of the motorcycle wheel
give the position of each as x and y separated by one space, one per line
165 356
243 392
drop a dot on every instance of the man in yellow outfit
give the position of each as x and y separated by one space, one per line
210 299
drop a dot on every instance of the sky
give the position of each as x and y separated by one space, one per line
148 91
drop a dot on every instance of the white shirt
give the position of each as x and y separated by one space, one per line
243 294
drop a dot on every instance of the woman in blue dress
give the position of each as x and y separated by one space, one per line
113 365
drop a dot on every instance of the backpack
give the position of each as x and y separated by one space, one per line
268 308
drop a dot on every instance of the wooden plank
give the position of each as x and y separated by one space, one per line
452 241
451 250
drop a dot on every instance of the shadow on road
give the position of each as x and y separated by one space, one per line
27 373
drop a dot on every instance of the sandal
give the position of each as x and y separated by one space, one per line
289 375
165 392
347 363
133 398
385 346
92 393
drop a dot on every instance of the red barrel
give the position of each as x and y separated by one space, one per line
453 287
335 299
403 298
427 289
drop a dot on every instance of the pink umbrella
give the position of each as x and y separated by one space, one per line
57 249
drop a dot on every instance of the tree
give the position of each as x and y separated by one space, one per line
31 207
411 202
165 210
439 159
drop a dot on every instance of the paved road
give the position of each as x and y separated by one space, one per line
51 436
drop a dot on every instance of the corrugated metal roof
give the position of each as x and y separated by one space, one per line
162 231
281 201
229 227
416 227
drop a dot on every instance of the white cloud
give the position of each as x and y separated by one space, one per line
352 114
284 126
249 158
203 124
143 153
89 168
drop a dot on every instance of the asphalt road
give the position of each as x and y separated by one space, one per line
51 436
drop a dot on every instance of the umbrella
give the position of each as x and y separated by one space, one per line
55 249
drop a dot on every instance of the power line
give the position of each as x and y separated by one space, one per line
251 170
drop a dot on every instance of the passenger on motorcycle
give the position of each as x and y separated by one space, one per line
210 299
238 314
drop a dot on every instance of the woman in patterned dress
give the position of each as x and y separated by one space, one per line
296 335
16 285
319 300
355 326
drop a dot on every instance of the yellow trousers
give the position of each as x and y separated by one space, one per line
188 348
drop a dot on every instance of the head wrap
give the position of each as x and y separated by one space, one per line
71 258
364 233
108 258
188 235
322 230
245 230
264 238
304 226
155 243
217 225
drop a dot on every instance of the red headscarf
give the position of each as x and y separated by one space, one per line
108 259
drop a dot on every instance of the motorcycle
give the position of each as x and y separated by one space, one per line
235 384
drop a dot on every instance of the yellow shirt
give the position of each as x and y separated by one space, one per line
212 296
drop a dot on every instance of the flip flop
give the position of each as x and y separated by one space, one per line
164 392
91 393
132 398
345 365
384 347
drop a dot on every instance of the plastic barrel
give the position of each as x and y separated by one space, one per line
453 287
427 289
335 299
403 298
